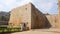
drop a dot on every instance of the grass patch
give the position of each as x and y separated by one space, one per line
7 30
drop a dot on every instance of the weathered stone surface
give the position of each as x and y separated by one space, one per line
58 24
20 15
33 17
37 18
27 14
52 20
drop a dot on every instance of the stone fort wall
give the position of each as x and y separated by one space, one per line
31 15
53 20
27 14
58 24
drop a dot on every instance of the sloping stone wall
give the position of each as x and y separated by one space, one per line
31 15
20 15
38 19
27 14
53 20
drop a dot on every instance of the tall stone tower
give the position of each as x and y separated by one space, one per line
58 24
59 7
27 14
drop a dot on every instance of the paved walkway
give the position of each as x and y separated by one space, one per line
40 31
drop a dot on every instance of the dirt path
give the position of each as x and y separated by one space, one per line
40 31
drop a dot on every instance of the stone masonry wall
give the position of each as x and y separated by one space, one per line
58 24
52 20
27 14
38 19
31 15
20 15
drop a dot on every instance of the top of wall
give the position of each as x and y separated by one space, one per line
22 6
29 4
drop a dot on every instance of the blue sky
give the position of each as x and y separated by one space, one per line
45 6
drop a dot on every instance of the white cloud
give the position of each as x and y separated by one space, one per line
9 2
6 4
23 2
2 7
12 3
44 5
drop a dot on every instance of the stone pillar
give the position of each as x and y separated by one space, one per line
58 23
59 7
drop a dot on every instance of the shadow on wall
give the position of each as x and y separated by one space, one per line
48 25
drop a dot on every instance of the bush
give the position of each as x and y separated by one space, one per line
1 30
5 30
